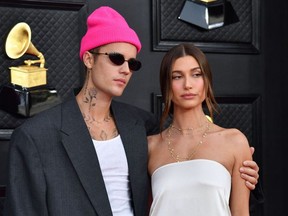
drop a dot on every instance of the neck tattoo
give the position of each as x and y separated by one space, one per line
90 120
90 97
175 155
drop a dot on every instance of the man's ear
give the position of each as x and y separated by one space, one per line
88 59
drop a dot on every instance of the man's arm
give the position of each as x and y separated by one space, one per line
26 185
249 172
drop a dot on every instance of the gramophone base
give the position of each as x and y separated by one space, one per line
27 102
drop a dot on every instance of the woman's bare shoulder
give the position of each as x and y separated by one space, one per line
231 135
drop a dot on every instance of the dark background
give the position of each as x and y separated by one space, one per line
236 74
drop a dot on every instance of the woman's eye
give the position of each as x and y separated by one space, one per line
197 74
176 77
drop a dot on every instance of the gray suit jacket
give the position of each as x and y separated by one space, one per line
53 166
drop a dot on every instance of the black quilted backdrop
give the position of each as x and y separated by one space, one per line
56 33
172 28
239 34
238 116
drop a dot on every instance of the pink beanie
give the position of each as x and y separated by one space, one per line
104 26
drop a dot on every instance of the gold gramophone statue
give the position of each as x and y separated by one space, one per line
28 93
17 44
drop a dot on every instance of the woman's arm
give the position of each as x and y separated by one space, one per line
239 198
249 172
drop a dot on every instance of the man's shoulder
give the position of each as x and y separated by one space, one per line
128 107
48 116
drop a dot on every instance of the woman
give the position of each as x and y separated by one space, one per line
194 163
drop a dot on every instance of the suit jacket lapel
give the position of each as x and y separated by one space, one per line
79 146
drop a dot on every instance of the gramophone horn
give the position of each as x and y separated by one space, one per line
18 43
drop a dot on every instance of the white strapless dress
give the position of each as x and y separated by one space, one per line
197 187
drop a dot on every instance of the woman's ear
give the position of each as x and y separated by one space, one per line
88 59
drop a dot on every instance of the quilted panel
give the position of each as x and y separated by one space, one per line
236 116
174 29
55 33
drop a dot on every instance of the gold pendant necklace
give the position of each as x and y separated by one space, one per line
175 155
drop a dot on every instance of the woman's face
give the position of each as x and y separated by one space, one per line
188 90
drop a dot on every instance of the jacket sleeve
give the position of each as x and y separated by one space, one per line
152 125
256 199
26 183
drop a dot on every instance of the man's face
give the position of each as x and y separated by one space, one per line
106 77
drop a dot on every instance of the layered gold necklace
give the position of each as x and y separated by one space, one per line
175 155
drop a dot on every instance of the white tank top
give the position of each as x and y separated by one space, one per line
114 167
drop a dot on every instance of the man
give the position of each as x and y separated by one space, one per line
88 155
